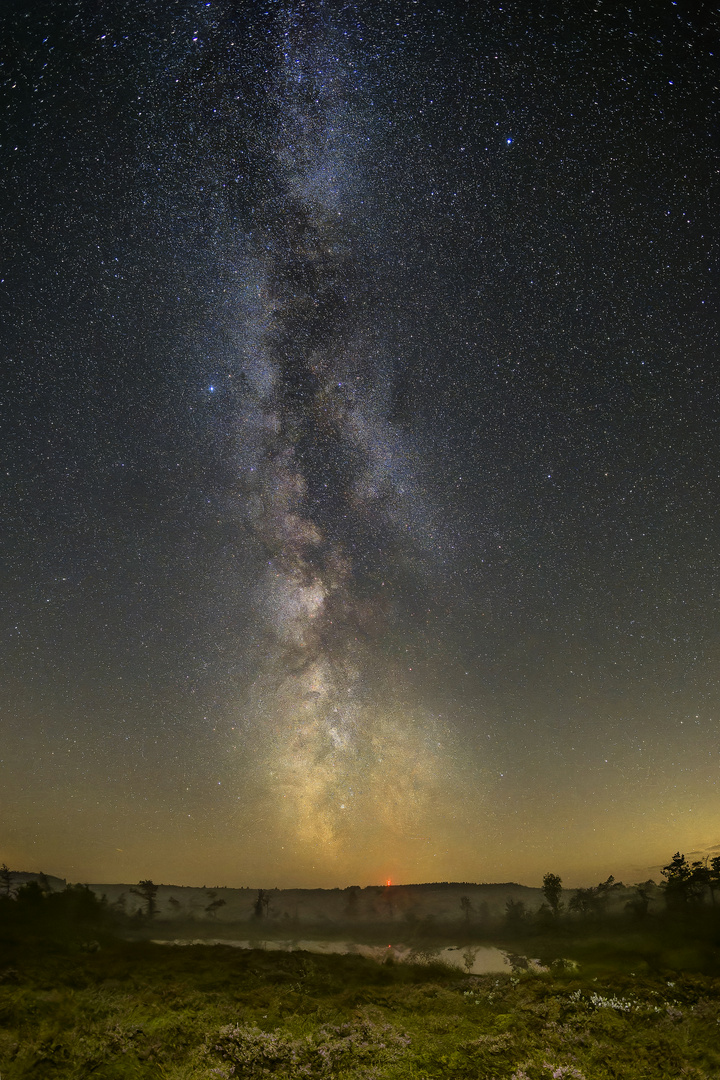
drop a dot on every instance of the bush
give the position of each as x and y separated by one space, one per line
351 1047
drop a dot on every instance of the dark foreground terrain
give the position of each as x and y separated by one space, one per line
134 1009
85 993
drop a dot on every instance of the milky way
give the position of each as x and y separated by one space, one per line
352 763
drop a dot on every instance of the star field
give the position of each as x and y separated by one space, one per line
360 441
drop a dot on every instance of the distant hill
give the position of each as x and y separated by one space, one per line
20 877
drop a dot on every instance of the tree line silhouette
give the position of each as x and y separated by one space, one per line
686 889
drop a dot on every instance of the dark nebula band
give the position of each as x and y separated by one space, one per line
347 772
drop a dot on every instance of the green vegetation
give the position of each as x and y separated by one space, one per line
624 996
141 1010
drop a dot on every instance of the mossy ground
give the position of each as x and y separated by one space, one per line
134 1009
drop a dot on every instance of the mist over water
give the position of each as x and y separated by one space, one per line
472 959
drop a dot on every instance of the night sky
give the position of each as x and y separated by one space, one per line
360 440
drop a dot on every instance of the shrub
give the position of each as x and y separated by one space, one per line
350 1047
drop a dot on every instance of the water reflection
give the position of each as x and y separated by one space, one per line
474 959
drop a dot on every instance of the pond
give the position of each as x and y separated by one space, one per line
473 959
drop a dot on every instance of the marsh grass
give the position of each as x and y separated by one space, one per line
134 1010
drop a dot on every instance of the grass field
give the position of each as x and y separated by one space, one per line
134 1009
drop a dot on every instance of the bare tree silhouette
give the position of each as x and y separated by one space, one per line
213 907
262 904
552 891
147 891
5 879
